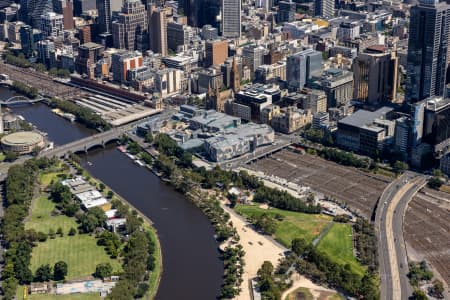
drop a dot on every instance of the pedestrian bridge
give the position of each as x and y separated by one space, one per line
20 100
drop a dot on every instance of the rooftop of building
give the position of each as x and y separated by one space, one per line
437 103
91 45
363 117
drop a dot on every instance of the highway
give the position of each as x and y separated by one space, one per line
391 245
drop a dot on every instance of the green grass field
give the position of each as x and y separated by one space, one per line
2 156
80 252
88 296
294 224
46 178
42 220
338 244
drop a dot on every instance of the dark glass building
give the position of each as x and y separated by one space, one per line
427 50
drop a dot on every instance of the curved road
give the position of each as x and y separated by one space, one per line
389 224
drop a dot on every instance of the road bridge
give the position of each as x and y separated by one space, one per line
87 143
389 216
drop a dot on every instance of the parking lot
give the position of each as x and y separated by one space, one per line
358 189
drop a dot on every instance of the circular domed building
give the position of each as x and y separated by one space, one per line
22 142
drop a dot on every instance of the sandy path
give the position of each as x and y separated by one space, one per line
255 253
301 281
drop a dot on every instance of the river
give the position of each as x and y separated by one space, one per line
191 261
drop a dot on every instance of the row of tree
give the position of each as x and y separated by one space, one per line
366 243
20 87
232 255
84 115
284 200
19 191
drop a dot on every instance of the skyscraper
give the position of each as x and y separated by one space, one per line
324 8
65 8
286 11
231 18
104 15
427 50
158 30
130 29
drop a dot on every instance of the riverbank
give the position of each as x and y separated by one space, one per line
155 276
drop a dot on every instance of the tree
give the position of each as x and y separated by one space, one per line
103 270
59 231
434 182
51 233
72 231
149 137
400 167
437 290
42 237
266 269
10 156
102 187
298 246
43 273
110 194
60 270
419 295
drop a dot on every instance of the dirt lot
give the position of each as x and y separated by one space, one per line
348 185
427 230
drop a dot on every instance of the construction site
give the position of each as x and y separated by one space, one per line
347 185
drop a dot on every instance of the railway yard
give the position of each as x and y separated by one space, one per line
427 230
358 189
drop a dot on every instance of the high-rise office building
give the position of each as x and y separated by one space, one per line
324 8
104 15
207 12
231 18
429 29
376 75
286 11
32 10
65 8
158 30
52 24
80 6
130 29
301 66
28 39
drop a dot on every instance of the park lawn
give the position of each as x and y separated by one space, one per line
2 156
80 252
338 245
87 296
46 178
294 225
42 220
